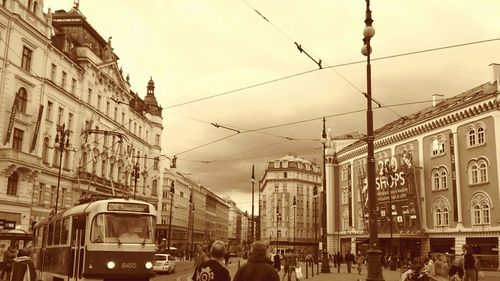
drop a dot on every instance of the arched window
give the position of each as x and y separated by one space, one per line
45 150
104 166
84 161
444 179
483 171
22 100
435 180
12 184
440 210
476 214
111 169
437 146
437 217
446 216
485 212
473 175
480 135
35 6
472 137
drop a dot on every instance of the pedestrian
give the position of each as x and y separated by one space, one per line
8 260
258 267
286 263
360 259
470 273
292 264
277 262
338 260
349 259
213 268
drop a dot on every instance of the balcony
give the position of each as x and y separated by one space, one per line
16 156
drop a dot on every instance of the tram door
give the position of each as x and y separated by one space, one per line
77 254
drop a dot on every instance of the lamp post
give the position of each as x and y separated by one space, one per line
374 268
172 191
62 141
135 174
252 220
192 230
315 196
294 206
278 215
325 265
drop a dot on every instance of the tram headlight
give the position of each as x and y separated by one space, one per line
148 265
110 264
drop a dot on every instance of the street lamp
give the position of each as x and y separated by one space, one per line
278 216
294 206
62 141
325 265
373 254
172 191
315 196
253 183
135 174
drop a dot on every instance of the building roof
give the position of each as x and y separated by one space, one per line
446 106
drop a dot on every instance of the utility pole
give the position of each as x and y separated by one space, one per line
252 220
62 140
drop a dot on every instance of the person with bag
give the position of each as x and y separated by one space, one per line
258 267
360 259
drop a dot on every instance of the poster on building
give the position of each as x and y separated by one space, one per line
397 190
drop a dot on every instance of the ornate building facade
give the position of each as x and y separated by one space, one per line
437 181
282 225
58 78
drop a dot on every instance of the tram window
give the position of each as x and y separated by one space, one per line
97 229
39 236
65 231
50 234
57 233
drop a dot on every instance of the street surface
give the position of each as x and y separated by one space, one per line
184 271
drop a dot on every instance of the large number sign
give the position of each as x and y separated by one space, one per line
397 198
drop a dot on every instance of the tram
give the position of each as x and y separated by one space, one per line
110 240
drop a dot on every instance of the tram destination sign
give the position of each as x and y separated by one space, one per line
128 207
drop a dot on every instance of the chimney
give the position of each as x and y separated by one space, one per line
434 99
495 74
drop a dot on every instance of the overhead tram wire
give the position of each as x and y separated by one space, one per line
331 66
310 120
318 62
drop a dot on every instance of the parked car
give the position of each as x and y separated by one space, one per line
164 263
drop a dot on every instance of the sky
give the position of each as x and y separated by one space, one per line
196 49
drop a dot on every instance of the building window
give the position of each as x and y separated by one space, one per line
48 115
63 79
41 189
480 207
154 188
89 96
157 140
438 146
52 196
345 173
26 60
45 150
70 120
478 171
439 178
476 135
60 114
66 159
123 118
480 135
12 184
17 141
103 167
115 114
73 86
53 70
156 163
98 103
22 100
441 212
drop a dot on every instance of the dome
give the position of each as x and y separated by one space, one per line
151 82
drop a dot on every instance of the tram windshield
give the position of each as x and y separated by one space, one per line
122 228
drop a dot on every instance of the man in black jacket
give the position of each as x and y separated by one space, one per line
258 267
213 269
470 273
349 258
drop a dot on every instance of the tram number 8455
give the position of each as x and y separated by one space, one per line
129 265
